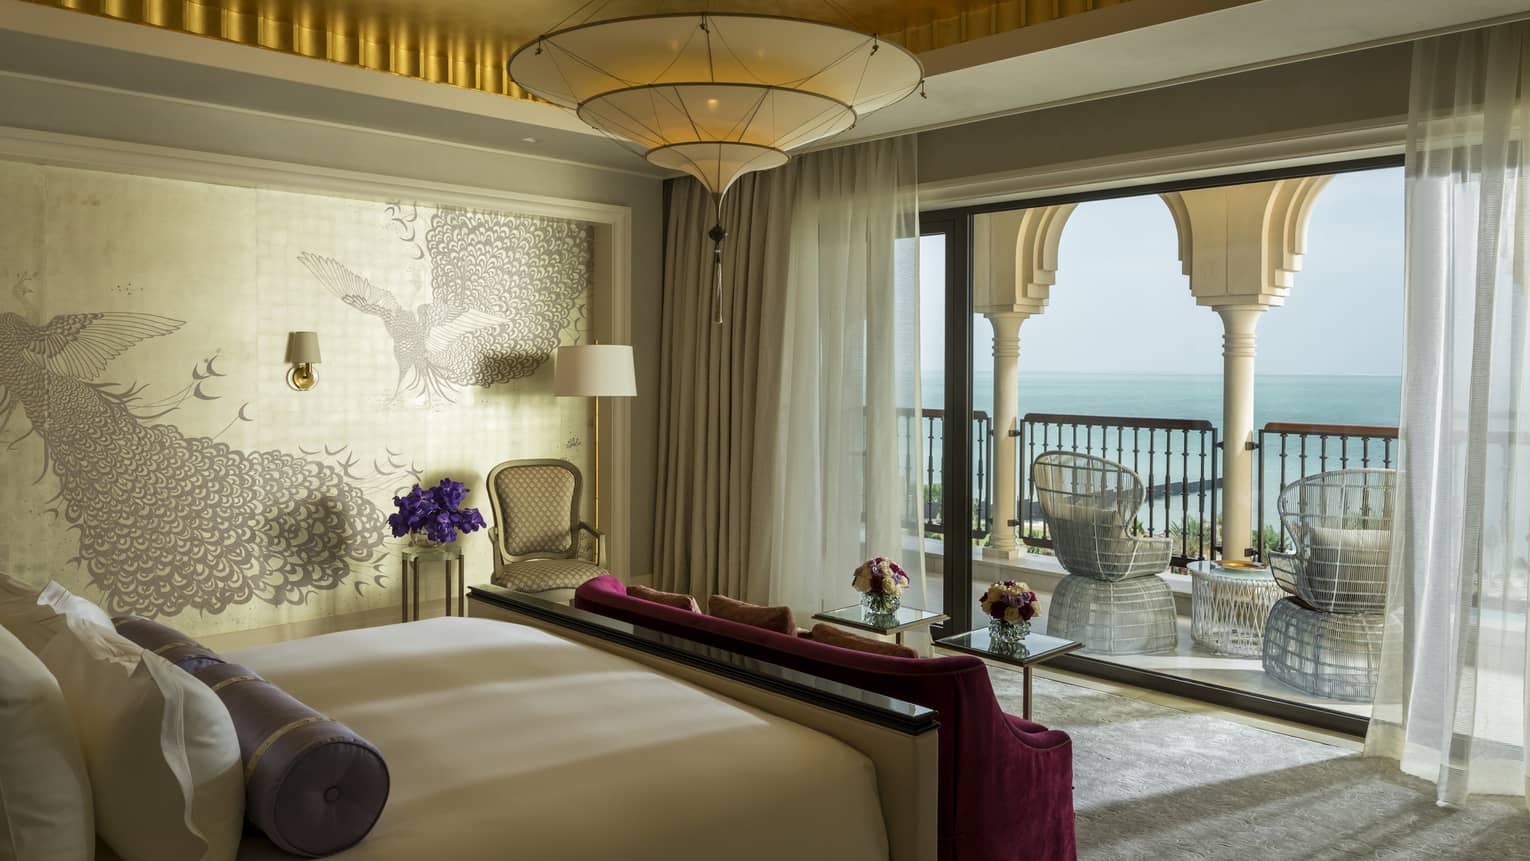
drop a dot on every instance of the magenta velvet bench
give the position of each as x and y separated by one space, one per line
1006 784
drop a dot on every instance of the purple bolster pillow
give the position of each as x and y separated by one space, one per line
168 643
312 785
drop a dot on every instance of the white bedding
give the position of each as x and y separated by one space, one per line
506 742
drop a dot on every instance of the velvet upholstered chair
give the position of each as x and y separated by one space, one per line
1112 600
536 531
1325 639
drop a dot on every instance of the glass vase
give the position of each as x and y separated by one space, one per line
880 603
420 541
1008 636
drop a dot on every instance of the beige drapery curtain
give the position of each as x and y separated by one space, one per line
710 381
781 465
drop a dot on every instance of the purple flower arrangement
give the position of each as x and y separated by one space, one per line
1010 602
881 576
435 512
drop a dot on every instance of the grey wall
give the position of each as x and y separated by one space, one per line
46 105
1357 87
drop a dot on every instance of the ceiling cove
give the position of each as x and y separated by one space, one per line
465 43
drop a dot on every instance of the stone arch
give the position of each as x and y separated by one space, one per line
1243 244
1015 258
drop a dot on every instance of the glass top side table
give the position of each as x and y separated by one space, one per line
451 559
1230 606
894 623
1033 649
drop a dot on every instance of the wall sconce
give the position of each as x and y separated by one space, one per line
302 354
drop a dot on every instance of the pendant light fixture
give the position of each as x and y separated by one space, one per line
716 95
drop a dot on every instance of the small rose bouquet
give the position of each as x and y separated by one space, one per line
1010 602
880 575
881 583
436 512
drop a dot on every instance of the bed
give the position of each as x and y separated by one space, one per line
530 739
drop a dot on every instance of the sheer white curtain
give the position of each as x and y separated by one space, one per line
836 485
1451 702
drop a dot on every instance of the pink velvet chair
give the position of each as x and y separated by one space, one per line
1006 784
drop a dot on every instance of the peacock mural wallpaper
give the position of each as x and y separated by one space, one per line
151 454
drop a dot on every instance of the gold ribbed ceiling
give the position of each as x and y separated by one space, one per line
466 42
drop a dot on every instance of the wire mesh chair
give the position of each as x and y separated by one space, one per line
1090 504
1111 601
1326 638
536 531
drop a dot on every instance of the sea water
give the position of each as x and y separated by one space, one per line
1330 399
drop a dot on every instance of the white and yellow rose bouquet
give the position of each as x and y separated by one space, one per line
881 582
1010 606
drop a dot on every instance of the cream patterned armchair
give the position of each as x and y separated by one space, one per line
1112 600
537 528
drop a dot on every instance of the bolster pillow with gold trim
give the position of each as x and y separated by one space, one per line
311 785
167 642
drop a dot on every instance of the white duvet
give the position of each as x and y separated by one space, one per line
506 742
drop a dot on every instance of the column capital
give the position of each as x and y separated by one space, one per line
1014 258
1243 244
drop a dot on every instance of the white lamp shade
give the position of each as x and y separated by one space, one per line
594 371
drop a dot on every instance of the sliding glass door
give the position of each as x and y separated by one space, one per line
946 390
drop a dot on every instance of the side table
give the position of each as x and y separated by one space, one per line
1229 607
1033 650
450 557
895 623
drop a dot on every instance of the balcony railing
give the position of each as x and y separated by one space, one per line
929 435
1178 460
1290 451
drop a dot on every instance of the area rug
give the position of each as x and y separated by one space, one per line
1152 782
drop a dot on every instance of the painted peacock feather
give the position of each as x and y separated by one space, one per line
169 522
502 288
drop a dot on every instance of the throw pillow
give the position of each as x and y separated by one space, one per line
778 619
826 633
45 805
671 599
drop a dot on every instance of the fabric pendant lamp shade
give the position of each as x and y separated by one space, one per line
716 95
594 371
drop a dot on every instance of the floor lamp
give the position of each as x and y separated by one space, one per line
595 371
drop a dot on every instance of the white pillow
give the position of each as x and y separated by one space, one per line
159 746
66 603
45 810
32 615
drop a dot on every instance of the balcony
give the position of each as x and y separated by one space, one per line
1179 461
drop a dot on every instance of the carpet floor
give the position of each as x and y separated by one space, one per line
1152 782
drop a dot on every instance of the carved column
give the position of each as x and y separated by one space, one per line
1002 542
1014 267
1241 246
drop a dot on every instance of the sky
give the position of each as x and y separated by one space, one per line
1121 304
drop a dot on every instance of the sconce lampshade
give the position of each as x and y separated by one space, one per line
594 371
303 348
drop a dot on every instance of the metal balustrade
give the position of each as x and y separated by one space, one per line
1178 460
1290 451
928 434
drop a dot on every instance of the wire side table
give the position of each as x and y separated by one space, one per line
450 557
1229 607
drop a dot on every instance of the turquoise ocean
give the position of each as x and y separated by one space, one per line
1337 399
1332 399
